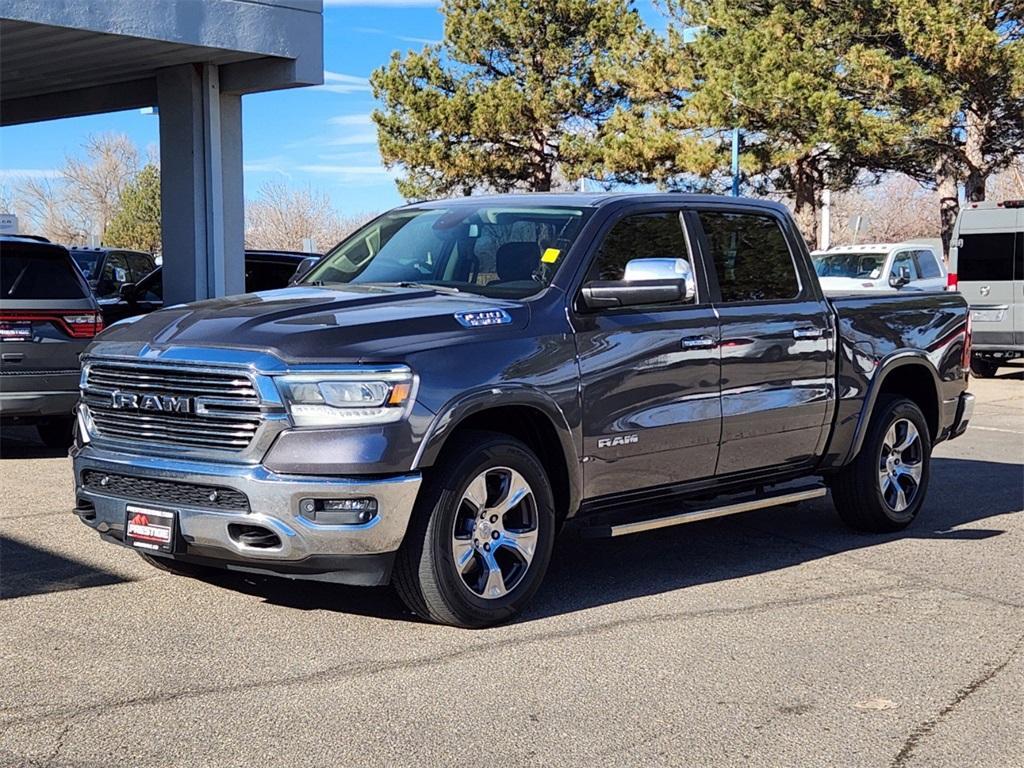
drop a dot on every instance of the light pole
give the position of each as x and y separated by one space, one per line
735 162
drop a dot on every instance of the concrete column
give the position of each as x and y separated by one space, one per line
201 184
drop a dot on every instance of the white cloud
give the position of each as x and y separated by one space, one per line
382 3
354 139
337 82
345 170
29 173
363 119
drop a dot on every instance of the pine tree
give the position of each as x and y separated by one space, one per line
511 99
136 222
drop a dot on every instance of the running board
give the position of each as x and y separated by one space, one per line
624 529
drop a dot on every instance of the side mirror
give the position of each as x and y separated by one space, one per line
900 277
127 292
646 281
304 266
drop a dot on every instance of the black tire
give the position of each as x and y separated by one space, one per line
57 433
857 489
984 368
178 567
425 574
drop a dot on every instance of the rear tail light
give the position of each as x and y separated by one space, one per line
951 281
75 323
966 361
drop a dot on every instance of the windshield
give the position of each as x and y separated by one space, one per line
87 263
866 265
491 249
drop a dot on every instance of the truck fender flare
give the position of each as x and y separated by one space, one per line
500 396
885 367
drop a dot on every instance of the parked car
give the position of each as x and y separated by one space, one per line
107 269
458 380
48 316
987 266
264 271
879 268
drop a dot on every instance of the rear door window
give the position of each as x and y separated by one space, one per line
140 265
751 257
927 266
986 257
38 273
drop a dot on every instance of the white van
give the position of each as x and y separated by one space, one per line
879 268
986 264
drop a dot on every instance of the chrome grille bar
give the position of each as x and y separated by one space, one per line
224 410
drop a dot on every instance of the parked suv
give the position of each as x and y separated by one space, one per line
880 268
458 380
47 318
986 264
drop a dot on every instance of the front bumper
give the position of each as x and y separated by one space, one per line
964 411
343 553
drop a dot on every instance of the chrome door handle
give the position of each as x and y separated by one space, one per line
808 333
698 342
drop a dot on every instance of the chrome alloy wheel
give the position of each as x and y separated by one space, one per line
901 464
495 532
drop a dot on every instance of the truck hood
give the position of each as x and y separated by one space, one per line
311 324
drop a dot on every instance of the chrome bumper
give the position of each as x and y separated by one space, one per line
273 504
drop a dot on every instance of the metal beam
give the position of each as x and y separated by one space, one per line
83 101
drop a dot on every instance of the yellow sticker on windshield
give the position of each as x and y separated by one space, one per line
550 256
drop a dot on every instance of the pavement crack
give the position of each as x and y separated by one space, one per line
357 670
925 729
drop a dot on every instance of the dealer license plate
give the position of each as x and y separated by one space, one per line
151 529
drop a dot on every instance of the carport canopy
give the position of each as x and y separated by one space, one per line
191 60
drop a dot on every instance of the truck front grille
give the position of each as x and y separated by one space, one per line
164 491
199 408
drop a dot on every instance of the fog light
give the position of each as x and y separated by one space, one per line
339 511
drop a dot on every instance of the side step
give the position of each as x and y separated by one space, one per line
760 502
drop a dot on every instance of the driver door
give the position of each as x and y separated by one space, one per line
650 374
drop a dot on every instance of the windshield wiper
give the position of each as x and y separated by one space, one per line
448 289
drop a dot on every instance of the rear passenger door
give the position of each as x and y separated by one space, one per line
776 345
651 411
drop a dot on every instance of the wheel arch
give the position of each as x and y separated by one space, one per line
522 412
906 374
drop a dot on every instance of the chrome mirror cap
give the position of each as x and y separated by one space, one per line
662 269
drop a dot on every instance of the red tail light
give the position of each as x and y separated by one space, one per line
75 323
951 281
966 361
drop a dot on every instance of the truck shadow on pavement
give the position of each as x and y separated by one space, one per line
27 570
590 573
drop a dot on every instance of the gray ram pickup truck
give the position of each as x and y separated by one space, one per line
460 380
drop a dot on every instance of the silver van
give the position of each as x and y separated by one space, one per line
986 264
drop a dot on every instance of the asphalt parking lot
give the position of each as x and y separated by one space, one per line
772 639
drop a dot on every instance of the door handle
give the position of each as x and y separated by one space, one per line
698 342
808 333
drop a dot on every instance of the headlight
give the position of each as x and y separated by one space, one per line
347 399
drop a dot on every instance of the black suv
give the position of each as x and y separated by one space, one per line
48 316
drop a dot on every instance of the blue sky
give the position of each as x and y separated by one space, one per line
321 136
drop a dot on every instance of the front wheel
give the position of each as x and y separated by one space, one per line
481 535
883 489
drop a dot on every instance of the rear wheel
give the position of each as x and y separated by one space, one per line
56 433
883 489
983 367
481 536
